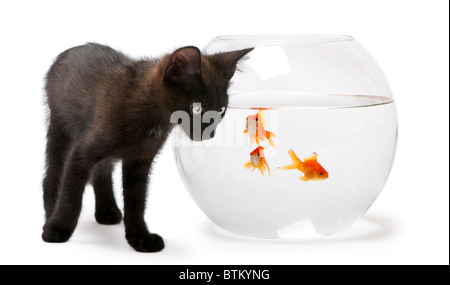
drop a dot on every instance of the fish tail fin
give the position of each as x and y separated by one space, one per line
296 162
261 169
264 165
269 136
288 167
268 169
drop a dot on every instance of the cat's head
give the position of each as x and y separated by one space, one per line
198 86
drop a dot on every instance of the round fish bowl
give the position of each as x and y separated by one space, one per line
307 142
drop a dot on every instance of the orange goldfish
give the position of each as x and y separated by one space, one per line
256 129
312 170
257 160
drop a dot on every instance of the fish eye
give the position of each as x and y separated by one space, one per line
321 173
256 119
258 154
222 110
197 109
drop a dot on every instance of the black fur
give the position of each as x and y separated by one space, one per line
105 106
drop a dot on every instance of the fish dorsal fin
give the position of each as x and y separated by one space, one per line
261 118
312 157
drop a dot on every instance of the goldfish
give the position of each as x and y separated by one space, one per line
256 129
257 160
311 169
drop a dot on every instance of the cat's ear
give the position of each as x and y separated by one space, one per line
226 62
184 67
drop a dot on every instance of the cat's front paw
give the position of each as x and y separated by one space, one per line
146 242
55 234
108 216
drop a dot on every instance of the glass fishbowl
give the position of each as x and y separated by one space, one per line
307 142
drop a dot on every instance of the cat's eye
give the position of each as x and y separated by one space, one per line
222 110
197 109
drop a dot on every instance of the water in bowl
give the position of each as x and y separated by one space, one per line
354 137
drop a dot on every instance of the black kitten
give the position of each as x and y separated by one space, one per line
106 106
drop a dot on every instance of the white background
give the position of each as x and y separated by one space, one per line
408 224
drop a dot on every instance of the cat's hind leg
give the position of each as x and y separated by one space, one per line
57 148
106 210
81 160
